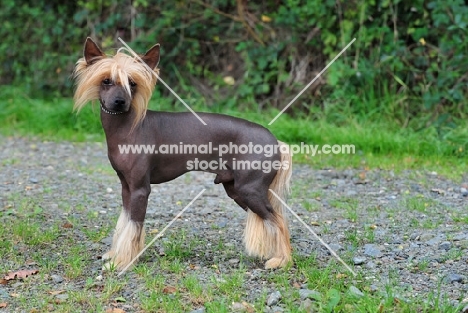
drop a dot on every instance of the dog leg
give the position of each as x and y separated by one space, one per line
231 192
129 236
266 233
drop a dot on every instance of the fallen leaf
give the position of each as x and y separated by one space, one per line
229 80
22 274
3 281
169 290
154 231
362 175
56 292
67 225
3 305
315 223
341 275
439 191
115 310
120 299
248 307
266 19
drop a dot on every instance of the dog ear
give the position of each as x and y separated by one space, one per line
151 57
92 53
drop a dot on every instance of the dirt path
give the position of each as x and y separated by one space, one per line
406 230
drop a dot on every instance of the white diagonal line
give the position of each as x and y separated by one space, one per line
161 233
162 81
313 233
312 81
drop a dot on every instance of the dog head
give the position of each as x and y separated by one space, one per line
121 83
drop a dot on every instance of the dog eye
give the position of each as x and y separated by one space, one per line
107 81
132 83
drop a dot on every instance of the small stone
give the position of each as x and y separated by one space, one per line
237 307
17 285
306 305
374 288
99 277
107 240
109 190
33 180
206 210
222 224
200 310
445 245
464 191
359 260
233 261
454 278
425 237
62 296
277 309
4 294
335 247
312 294
355 291
273 298
372 250
460 237
434 241
57 278
370 265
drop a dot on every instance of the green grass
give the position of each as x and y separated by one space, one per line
379 142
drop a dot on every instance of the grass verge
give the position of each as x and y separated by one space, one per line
378 144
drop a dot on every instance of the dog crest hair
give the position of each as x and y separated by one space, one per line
122 69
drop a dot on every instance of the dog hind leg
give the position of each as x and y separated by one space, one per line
266 233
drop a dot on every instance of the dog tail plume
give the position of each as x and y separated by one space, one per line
269 238
280 184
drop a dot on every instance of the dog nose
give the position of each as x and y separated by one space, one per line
119 102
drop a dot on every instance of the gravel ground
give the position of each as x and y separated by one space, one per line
388 225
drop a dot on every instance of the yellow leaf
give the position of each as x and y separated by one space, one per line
341 275
229 80
422 41
266 19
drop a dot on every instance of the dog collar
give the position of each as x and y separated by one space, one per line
109 112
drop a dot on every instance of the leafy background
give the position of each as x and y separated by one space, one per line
407 68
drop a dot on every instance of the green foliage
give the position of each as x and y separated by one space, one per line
408 64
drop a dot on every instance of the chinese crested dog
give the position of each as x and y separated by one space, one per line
123 85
